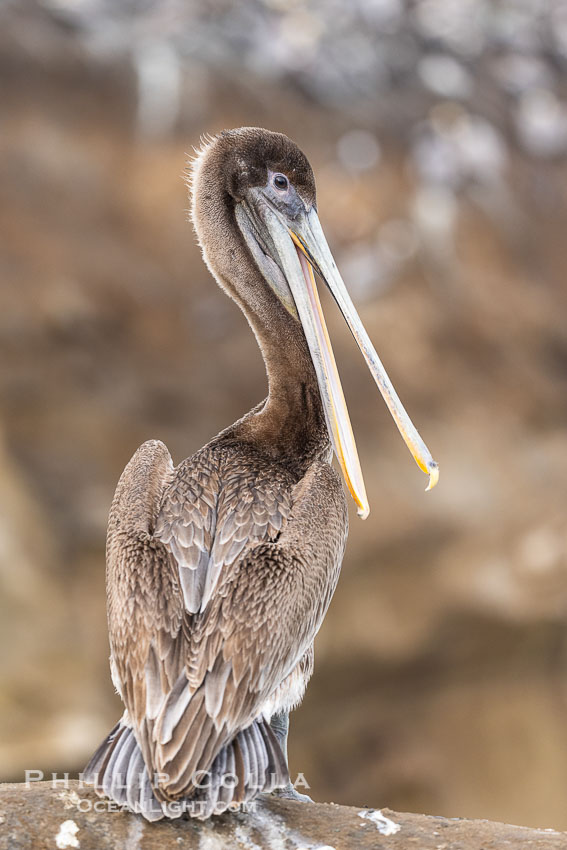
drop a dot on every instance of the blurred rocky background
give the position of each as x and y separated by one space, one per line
438 135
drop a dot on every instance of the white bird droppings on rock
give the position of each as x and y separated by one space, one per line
67 835
383 824
135 834
71 799
318 847
244 838
208 840
274 831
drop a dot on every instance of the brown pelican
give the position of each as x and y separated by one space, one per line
220 570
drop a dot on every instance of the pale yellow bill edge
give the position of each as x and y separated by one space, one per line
343 437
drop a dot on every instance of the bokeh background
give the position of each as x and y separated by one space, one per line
438 134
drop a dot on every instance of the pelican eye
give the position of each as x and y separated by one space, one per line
280 181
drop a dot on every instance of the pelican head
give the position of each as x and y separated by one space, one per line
256 187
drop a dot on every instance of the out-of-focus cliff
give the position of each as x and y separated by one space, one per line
438 136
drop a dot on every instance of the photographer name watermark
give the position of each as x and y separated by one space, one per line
196 805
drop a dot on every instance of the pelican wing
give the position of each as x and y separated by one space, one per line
272 590
265 553
145 604
208 526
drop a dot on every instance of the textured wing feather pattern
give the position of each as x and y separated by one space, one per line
207 525
187 525
219 575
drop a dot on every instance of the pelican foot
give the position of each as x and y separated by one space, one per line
280 727
288 792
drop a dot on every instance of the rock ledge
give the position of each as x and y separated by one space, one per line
43 817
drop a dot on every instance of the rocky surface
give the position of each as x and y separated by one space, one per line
41 817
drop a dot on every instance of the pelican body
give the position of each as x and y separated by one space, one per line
220 570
